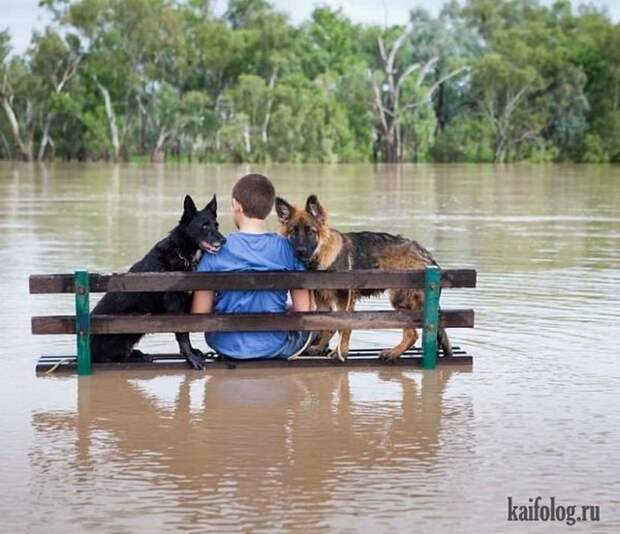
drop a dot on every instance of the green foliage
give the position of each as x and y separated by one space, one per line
467 139
594 150
536 82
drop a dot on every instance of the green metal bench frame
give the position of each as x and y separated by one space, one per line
431 280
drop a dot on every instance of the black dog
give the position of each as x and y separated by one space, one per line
197 231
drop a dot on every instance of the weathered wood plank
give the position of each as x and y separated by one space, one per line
362 320
360 279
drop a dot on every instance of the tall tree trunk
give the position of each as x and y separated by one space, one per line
389 151
440 112
385 127
109 111
24 145
500 150
617 92
265 127
7 146
158 155
45 137
142 120
247 143
218 137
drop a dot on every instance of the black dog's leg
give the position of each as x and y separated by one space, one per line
113 347
194 357
178 303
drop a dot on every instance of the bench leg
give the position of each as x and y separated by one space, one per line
82 321
432 287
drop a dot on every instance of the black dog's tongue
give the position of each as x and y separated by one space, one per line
208 247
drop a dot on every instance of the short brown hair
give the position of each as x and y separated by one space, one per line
256 195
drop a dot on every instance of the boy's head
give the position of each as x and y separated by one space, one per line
252 197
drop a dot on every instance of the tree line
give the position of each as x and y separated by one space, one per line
483 81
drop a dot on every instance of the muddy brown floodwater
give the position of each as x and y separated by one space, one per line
382 450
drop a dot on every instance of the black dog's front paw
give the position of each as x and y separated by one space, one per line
196 359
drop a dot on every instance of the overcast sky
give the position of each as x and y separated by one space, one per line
22 16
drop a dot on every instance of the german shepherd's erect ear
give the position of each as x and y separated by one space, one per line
284 210
314 208
189 210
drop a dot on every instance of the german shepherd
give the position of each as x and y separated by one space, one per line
196 232
322 248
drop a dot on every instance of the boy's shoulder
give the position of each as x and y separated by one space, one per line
253 251
280 239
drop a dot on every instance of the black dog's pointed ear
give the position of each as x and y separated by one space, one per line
284 210
212 205
314 208
189 210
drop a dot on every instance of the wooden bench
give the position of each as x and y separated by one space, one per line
83 324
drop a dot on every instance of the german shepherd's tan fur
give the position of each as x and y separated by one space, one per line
325 249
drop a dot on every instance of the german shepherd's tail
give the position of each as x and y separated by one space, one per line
444 342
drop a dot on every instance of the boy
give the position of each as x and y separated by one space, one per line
252 248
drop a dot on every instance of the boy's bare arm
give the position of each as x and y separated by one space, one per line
202 302
302 301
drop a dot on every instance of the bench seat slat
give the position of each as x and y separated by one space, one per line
361 320
180 281
354 353
356 358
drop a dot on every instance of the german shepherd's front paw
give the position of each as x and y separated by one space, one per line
196 359
337 356
389 355
316 351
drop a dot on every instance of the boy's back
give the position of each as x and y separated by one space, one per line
244 252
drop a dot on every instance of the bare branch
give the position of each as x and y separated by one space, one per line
397 45
426 69
408 71
435 86
512 103
68 74
379 105
381 49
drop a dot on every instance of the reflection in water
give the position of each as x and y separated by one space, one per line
245 447
323 449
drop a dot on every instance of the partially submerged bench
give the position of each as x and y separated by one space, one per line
83 324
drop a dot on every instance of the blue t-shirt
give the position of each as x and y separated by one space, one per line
246 252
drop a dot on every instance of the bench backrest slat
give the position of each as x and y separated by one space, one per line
182 281
131 324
